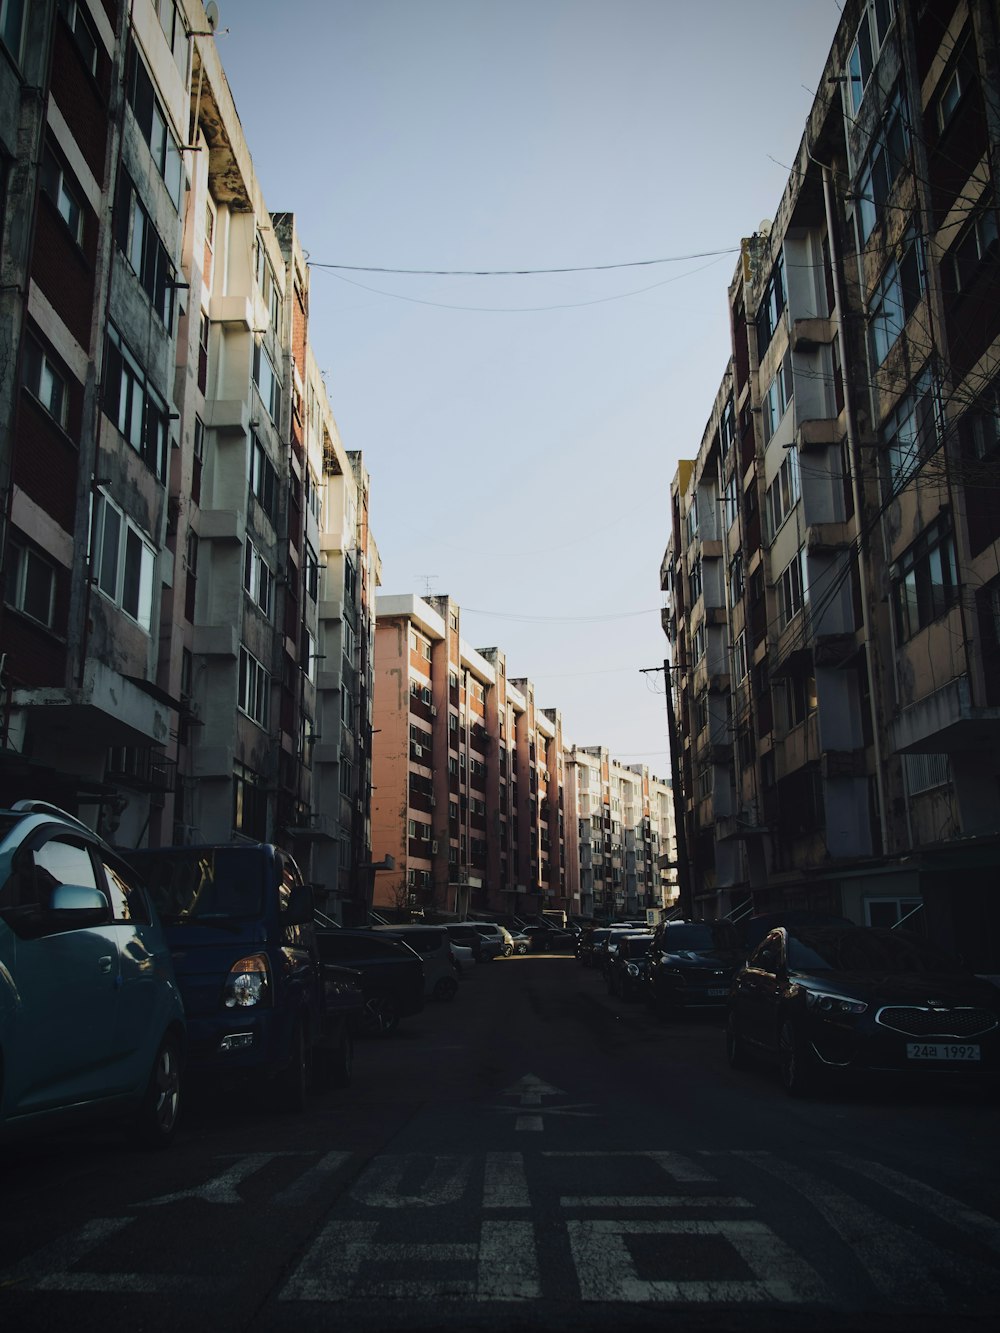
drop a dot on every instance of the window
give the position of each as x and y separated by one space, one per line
123 560
925 579
791 595
29 582
976 244
152 122
783 493
12 26
314 497
45 381
311 572
731 498
727 428
266 379
957 80
910 433
736 584
64 197
926 771
254 688
740 656
134 405
880 165
173 30
268 285
204 330
147 256
263 479
698 644
692 519
895 298
778 397
771 307
875 24
83 32
309 660
258 579
694 582
249 803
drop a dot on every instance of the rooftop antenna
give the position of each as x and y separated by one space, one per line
428 579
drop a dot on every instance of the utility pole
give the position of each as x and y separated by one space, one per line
685 898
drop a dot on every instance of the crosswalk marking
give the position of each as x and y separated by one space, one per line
315 1181
508 1262
443 1181
505 1184
222 1188
653 1201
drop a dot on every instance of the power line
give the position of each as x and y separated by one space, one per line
522 272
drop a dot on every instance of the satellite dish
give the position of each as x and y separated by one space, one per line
212 14
763 226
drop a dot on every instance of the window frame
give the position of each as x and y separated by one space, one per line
37 363
114 568
20 556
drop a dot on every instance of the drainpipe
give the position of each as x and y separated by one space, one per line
855 457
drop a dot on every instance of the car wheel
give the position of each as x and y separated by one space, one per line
735 1049
522 949
445 988
380 1016
290 1088
797 1075
508 950
156 1119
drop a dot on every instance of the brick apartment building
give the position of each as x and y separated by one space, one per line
833 595
189 572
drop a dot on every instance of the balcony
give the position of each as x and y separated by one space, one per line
819 433
808 335
946 722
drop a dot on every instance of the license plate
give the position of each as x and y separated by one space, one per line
916 1050
720 991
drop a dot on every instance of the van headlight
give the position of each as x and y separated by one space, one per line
833 1004
632 969
248 983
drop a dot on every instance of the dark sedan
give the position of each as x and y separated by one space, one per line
691 966
854 999
626 964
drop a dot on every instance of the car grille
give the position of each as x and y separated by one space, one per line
965 1022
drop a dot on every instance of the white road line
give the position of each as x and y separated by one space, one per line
680 1168
508 1262
928 1199
444 1179
654 1201
330 1266
606 1272
505 1184
63 1254
529 1122
312 1182
222 1189
898 1262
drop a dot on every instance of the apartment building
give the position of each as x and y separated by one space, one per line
469 775
831 574
627 854
189 572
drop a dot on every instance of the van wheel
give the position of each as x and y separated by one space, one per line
445 988
156 1120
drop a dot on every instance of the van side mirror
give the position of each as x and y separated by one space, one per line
299 911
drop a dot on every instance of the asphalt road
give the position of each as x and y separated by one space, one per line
534 1156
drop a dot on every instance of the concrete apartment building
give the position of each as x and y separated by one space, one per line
189 573
470 776
833 597
627 854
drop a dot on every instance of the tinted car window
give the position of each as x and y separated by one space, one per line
698 935
128 902
423 941
637 947
863 949
59 862
203 882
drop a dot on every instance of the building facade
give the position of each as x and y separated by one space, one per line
831 574
189 572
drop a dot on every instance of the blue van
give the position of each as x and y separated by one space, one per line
259 1001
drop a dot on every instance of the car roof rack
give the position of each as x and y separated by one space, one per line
32 807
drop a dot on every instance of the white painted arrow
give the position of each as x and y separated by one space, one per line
531 1090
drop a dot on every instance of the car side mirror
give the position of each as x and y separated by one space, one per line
76 906
299 911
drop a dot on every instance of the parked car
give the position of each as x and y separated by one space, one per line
517 942
437 953
239 922
549 939
856 1000
752 929
391 974
691 966
599 951
492 936
464 933
91 1020
626 966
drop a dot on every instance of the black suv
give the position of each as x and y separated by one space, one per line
392 975
691 965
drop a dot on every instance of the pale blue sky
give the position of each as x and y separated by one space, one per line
521 451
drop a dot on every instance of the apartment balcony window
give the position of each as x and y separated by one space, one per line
925 579
152 122
45 381
791 590
977 244
123 560
864 52
30 583
784 492
910 433
265 377
881 164
135 407
778 398
896 296
772 307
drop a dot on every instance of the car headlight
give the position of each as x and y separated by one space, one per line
633 969
248 983
833 1004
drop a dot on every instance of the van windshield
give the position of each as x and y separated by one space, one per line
203 883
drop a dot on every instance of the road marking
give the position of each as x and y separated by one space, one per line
508 1262
606 1271
678 1168
505 1259
532 1086
928 1199
530 1122
897 1261
221 1189
653 1201
440 1179
505 1184
312 1182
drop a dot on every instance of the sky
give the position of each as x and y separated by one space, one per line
522 431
